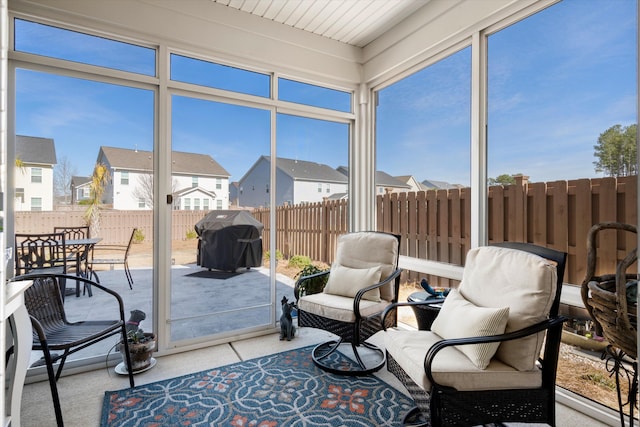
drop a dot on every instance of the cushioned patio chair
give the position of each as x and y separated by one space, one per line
480 362
364 279
53 332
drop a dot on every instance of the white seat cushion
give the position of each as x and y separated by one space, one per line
526 283
338 307
451 367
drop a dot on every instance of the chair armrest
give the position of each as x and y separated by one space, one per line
395 305
358 297
546 324
79 279
301 280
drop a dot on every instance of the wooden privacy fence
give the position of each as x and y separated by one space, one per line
115 225
435 224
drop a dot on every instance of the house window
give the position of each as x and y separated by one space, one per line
218 183
218 204
196 204
319 188
124 178
86 192
267 188
20 194
187 204
36 203
36 175
141 203
205 204
194 181
328 188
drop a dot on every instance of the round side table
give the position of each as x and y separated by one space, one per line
425 314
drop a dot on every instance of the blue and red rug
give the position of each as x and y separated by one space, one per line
284 389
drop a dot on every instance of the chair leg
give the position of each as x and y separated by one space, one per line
62 359
322 351
52 384
127 356
127 272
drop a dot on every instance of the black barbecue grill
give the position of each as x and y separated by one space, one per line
228 240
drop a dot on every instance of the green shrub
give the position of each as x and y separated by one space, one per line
299 261
267 255
313 285
138 236
191 234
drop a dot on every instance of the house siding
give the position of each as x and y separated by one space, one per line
42 190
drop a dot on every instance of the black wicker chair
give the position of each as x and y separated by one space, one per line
53 332
364 279
431 369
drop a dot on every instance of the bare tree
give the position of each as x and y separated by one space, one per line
144 189
62 174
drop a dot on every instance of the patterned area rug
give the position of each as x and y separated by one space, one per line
284 389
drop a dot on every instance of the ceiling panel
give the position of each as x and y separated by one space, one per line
355 22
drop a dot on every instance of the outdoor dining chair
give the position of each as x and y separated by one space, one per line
113 255
40 252
78 255
480 362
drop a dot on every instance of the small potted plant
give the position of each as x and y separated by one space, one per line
311 285
141 344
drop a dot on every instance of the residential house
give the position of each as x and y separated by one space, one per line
234 191
80 189
412 182
299 182
430 184
199 182
35 159
385 183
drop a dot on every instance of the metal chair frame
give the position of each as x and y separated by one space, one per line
53 332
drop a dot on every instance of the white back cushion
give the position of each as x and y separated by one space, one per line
369 249
526 283
346 282
459 318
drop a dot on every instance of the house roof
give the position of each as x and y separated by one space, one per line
182 163
383 179
32 149
77 181
189 190
439 185
302 170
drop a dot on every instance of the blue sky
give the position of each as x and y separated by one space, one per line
556 81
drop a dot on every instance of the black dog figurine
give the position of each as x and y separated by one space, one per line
133 324
287 330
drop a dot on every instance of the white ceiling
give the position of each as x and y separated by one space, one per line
355 22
